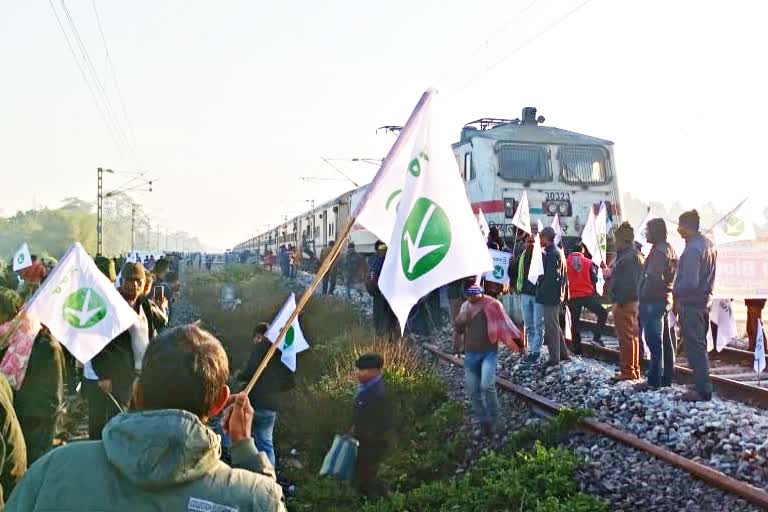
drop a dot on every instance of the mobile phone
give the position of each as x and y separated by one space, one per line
159 294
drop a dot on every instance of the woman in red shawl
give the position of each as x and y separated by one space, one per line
484 324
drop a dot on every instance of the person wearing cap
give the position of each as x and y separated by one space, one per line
372 424
120 362
551 293
384 320
582 278
484 323
655 302
692 294
623 289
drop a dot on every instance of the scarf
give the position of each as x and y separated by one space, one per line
500 326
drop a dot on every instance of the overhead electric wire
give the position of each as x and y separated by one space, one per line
114 75
95 77
525 43
83 74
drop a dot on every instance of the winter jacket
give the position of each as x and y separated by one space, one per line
374 414
695 279
553 285
582 275
13 451
116 361
625 277
275 379
658 274
152 460
42 391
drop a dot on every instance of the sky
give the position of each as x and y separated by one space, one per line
228 104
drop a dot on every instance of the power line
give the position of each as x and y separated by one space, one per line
95 77
525 43
114 75
94 97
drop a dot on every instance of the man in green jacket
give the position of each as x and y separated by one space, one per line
161 456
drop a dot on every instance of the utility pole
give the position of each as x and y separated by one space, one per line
99 210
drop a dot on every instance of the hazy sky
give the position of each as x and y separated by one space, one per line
231 102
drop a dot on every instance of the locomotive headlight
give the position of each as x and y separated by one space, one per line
552 208
563 209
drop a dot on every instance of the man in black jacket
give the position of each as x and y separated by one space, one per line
372 425
264 396
551 293
623 289
655 302
119 363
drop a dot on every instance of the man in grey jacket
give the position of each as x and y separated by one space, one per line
692 294
161 456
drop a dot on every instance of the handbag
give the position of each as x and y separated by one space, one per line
341 458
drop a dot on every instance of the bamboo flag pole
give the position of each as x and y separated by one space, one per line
325 266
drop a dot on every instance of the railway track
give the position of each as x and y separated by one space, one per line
730 370
545 407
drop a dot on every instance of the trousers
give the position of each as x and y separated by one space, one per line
533 320
591 304
553 334
480 381
625 316
655 326
694 322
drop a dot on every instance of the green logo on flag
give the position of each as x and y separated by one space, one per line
20 259
498 271
426 239
84 308
734 226
289 337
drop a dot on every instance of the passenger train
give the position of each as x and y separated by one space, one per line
563 173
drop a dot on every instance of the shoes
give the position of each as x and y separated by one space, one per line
693 396
644 386
620 378
550 364
531 359
598 341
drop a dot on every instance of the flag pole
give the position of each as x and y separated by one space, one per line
325 266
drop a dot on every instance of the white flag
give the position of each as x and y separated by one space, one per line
642 231
558 229
294 340
483 222
539 225
79 305
726 322
537 261
601 228
22 258
435 240
522 216
736 227
760 348
377 210
500 272
590 239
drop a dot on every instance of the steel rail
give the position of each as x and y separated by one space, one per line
544 406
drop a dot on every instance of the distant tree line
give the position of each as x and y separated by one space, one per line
50 231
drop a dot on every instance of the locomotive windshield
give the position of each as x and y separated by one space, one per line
524 163
583 165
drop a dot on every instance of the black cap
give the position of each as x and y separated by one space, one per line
369 362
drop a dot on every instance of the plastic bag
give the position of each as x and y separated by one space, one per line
341 458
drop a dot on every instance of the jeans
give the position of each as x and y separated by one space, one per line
533 318
694 322
480 380
654 324
263 426
593 305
